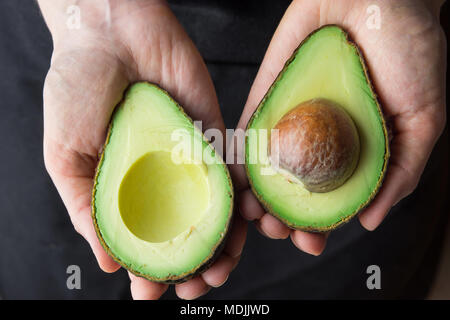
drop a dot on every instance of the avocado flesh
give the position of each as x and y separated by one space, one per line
161 214
326 65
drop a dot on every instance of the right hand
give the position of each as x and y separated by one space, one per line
90 69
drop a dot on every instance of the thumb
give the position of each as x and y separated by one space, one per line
75 191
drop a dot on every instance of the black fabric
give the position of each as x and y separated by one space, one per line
37 240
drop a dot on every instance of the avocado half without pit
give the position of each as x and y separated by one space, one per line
317 146
160 209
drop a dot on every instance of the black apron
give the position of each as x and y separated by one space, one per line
38 242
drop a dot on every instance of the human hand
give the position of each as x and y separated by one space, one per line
407 64
120 42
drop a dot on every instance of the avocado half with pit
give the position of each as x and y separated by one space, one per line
162 199
317 146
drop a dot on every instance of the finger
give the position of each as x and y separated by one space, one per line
76 194
312 243
85 227
237 171
410 149
272 227
249 206
237 237
394 188
192 289
218 274
142 289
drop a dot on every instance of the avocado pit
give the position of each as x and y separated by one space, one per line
318 143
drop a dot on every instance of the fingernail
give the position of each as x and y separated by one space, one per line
198 296
223 282
368 226
258 227
313 253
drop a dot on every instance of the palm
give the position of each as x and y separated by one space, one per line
405 57
84 84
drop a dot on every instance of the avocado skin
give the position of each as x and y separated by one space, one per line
172 279
386 130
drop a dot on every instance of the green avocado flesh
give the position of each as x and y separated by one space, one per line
160 209
326 65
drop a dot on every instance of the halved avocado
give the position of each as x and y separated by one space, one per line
160 208
327 70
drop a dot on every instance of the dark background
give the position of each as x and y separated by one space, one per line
38 242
